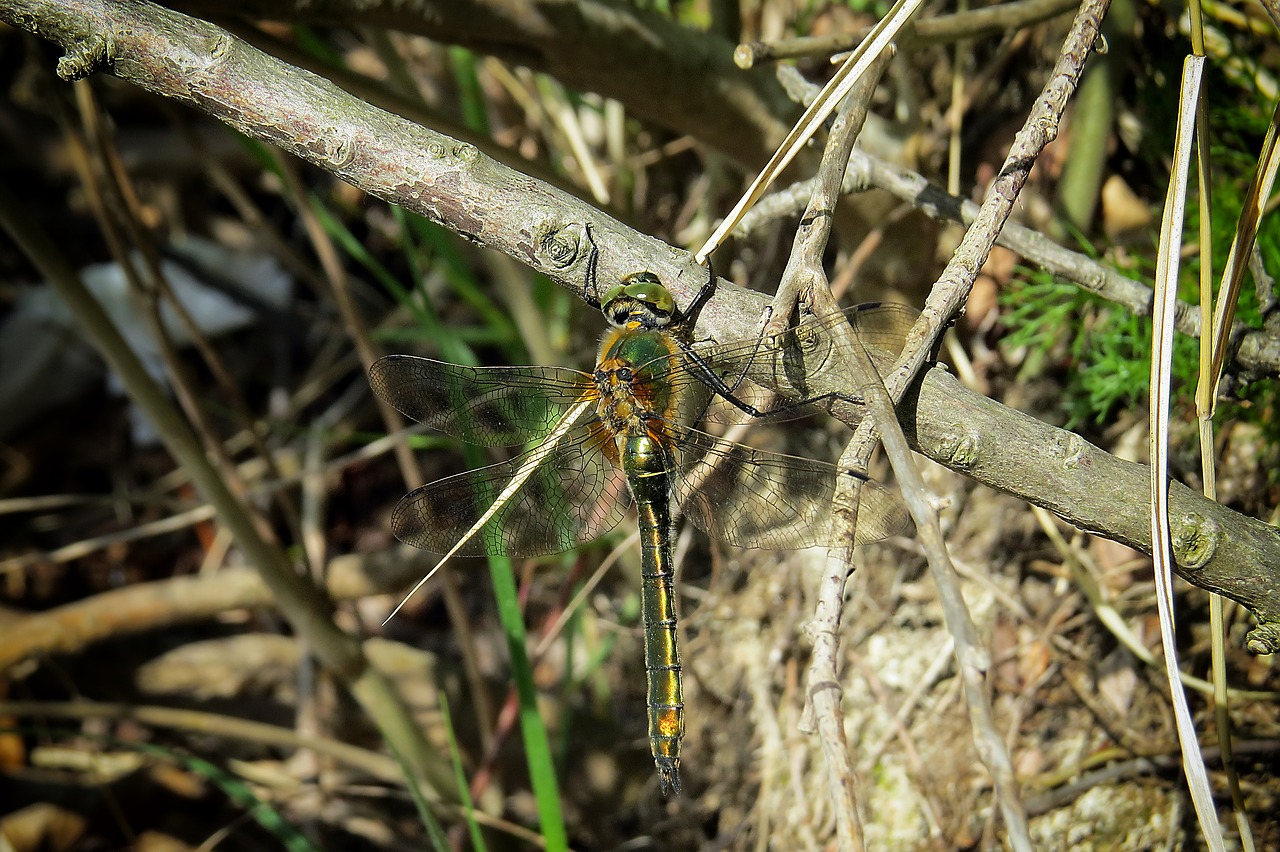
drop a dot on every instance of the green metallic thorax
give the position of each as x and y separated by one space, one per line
627 370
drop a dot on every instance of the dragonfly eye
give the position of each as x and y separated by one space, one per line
639 298
647 288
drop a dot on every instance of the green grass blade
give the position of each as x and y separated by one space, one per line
242 794
464 793
475 113
536 743
435 831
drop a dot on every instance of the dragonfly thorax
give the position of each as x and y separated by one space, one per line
639 301
630 379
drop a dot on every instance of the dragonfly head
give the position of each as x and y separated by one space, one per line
638 301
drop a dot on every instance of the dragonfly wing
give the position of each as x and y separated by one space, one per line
751 498
575 495
489 406
777 374
809 346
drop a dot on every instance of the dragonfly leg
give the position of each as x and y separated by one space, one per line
701 297
590 283
808 402
709 377
702 369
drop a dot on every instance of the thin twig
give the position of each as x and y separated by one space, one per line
1258 350
972 659
804 275
968 24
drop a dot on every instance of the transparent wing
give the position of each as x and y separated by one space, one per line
751 498
779 374
575 495
489 406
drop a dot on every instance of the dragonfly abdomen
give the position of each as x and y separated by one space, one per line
648 465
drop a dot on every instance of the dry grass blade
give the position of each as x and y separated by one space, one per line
832 94
1255 202
1166 284
562 112
1213 346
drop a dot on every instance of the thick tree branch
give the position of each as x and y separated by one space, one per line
451 183
589 45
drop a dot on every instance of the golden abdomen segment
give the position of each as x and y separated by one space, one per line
648 463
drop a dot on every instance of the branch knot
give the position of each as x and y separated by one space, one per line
87 57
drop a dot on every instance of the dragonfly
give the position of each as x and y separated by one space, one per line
624 434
